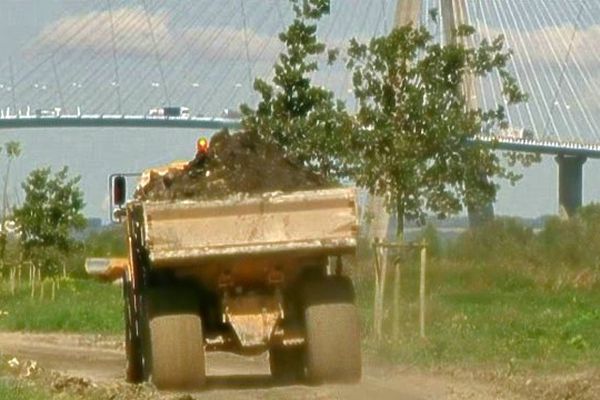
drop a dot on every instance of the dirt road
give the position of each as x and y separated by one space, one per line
100 361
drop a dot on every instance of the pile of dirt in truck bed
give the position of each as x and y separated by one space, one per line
235 163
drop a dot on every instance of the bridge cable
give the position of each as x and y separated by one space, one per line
495 78
91 61
58 85
246 44
216 34
115 58
95 71
342 90
525 54
487 23
120 70
83 24
13 90
585 73
157 52
266 44
589 121
533 80
567 57
232 38
573 126
181 10
474 39
504 29
205 35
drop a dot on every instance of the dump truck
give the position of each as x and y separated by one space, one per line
243 274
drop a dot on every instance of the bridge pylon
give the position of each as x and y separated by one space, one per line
570 183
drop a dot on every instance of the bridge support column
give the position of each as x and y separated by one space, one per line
570 182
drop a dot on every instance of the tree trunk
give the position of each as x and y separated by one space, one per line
5 191
400 218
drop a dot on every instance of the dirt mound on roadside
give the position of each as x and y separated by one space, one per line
236 163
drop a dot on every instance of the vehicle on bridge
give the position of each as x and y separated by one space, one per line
231 113
170 112
243 275
48 113
514 133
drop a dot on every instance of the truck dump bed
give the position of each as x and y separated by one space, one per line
318 221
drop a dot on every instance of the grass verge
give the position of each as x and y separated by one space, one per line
477 315
11 389
79 306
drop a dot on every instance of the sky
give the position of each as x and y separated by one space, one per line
203 56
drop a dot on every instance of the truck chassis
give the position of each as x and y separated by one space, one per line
289 300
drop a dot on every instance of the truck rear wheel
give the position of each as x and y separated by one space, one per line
177 348
332 332
287 364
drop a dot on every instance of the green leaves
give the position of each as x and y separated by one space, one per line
13 149
304 119
411 137
49 214
415 124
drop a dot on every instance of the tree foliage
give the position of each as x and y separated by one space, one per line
411 140
415 127
48 216
304 119
13 151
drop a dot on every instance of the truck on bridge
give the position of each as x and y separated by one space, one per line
243 275
170 112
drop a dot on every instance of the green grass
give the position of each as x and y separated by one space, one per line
80 306
509 315
14 390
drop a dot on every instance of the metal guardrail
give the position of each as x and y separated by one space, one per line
541 146
116 121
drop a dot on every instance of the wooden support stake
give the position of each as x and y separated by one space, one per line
396 315
384 262
422 290
19 276
12 281
376 316
33 281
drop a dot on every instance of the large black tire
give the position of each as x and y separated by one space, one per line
332 326
287 364
134 370
177 352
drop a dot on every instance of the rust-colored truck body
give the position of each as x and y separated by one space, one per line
246 274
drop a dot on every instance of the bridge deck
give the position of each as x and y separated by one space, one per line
126 121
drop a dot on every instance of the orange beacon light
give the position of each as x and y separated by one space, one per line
202 146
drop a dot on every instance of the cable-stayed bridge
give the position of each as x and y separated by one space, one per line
110 62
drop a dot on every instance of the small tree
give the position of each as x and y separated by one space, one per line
13 151
415 129
304 119
48 216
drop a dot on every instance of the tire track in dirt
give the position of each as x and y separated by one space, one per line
101 360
